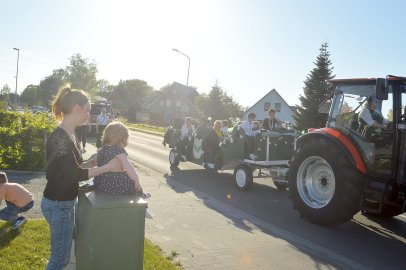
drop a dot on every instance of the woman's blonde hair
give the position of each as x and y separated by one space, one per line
66 99
115 134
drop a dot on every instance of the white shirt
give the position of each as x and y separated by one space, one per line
102 120
367 117
184 132
247 127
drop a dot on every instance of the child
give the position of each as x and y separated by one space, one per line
115 139
18 200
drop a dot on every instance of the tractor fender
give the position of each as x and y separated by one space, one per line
341 141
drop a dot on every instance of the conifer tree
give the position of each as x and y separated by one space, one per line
316 90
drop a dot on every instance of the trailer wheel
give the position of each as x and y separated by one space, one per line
173 158
324 186
243 177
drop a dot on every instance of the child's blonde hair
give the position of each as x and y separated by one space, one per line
115 134
3 178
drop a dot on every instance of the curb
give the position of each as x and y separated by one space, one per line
25 172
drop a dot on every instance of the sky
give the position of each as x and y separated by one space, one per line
249 46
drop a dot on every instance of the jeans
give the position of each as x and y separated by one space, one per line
61 219
11 211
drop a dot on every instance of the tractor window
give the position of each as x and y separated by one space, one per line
387 108
346 110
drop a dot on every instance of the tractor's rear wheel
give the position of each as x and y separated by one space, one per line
324 186
173 158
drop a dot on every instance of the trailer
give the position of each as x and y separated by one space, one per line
272 153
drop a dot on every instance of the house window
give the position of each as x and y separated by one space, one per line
174 91
161 103
278 107
168 103
178 103
267 106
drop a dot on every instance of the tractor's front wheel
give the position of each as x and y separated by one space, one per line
324 186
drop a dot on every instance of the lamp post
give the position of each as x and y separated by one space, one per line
18 57
188 67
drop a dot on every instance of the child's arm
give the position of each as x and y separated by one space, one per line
129 169
90 163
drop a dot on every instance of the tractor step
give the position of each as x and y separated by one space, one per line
372 197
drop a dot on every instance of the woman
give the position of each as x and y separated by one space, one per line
217 128
65 168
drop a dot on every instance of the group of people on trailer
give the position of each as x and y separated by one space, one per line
213 135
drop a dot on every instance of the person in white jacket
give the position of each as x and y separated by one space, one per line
187 129
249 134
186 133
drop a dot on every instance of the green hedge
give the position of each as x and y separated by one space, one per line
22 140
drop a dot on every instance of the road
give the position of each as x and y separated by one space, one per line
375 243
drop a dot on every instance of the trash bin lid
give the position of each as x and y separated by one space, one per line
105 200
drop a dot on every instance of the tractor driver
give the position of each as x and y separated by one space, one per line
370 118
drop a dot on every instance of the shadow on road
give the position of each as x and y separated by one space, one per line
375 243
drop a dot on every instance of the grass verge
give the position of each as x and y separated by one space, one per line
28 248
144 127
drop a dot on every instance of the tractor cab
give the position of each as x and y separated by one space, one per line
366 118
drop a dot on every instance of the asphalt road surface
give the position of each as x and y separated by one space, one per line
377 243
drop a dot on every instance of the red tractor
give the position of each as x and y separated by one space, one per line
358 161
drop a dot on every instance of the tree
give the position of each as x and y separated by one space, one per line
217 104
316 90
5 90
50 85
30 95
81 73
129 96
104 88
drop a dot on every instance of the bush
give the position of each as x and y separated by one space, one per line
22 140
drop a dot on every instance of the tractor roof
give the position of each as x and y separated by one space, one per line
364 81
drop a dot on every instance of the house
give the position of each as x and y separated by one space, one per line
174 101
272 100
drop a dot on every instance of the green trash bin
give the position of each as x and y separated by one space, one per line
110 231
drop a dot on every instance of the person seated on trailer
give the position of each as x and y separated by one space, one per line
211 145
203 129
249 134
187 129
370 118
224 128
271 122
186 133
217 128
255 125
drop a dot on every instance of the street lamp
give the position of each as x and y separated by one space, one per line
18 57
188 67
